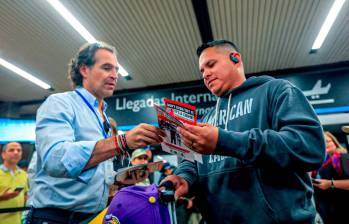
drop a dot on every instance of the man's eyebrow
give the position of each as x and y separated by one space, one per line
206 64
209 61
111 65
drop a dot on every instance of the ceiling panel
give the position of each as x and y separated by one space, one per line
278 34
156 39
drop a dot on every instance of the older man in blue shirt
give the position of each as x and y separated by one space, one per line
74 145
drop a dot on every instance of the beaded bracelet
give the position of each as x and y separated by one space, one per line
122 145
124 142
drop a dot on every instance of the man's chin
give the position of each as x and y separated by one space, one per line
216 92
109 93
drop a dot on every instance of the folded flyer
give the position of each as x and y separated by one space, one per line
173 116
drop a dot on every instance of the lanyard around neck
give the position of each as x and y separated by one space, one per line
94 112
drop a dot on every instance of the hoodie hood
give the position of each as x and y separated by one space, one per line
248 84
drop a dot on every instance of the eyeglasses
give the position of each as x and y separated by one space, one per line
203 46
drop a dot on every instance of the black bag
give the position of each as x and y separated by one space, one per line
345 164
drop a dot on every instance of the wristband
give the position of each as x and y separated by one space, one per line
117 147
120 144
332 184
124 142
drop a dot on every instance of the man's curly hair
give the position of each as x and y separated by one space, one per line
85 56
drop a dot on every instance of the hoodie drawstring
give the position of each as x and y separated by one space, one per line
228 112
216 117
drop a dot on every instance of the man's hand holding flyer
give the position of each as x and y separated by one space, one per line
173 116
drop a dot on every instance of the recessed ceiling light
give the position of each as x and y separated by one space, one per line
326 26
24 74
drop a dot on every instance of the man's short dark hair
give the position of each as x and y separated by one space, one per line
85 56
4 147
203 46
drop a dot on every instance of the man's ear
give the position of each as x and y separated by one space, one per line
83 70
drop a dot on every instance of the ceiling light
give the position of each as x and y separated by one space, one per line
122 71
24 74
56 4
72 20
331 17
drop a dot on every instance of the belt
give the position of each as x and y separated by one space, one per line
59 215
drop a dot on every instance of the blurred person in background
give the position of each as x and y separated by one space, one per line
140 156
23 164
150 154
13 183
167 169
331 183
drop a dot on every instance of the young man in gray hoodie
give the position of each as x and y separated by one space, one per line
259 142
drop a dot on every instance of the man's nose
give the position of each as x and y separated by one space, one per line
206 74
115 75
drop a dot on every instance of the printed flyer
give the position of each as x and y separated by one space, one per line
173 116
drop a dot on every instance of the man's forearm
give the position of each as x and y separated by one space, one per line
104 149
341 184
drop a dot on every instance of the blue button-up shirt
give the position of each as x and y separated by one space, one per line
66 134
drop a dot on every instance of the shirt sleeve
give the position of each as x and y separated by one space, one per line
295 139
188 171
61 155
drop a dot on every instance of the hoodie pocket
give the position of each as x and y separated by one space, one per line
234 195
264 201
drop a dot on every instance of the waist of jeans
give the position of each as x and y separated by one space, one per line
60 215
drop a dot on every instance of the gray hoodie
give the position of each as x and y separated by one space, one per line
269 138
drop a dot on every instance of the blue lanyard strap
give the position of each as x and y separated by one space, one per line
94 112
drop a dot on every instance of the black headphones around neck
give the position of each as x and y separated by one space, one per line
234 59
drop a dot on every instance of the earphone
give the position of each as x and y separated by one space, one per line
233 58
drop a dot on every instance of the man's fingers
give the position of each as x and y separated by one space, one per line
193 128
187 135
180 192
143 135
180 185
188 143
152 129
202 124
149 131
153 136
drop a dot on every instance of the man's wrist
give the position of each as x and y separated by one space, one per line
332 184
117 146
123 141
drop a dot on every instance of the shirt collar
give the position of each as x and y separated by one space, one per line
5 169
91 99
